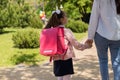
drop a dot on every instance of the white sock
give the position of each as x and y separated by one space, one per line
67 77
59 78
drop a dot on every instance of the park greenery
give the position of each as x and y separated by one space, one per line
20 26
25 13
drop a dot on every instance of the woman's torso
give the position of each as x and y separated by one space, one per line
109 20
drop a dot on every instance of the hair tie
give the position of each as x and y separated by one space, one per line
57 11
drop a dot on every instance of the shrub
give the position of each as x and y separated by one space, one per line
35 22
26 38
24 58
77 26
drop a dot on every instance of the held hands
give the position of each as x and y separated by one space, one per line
86 45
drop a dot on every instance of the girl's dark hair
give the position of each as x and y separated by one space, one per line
117 6
54 21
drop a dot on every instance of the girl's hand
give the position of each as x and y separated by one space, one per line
82 47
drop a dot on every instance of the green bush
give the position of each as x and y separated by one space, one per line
24 58
26 38
77 26
35 22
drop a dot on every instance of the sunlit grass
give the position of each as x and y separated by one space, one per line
7 49
80 36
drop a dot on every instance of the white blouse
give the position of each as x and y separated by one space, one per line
104 20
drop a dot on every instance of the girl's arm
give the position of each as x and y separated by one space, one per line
70 37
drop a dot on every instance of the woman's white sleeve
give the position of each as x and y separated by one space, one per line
93 19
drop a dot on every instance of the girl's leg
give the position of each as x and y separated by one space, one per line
102 50
60 78
67 77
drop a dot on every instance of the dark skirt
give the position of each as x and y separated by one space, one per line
63 67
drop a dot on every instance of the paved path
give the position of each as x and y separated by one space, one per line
86 68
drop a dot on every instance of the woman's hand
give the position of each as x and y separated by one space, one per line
88 43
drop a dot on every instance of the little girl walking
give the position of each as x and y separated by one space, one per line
63 69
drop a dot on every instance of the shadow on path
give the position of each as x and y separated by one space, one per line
85 65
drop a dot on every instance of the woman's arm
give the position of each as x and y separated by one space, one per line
93 24
94 19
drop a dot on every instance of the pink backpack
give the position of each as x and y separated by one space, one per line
52 42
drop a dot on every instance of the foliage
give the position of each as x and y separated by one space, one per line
3 14
18 13
77 26
78 9
27 38
35 22
21 13
24 58
75 9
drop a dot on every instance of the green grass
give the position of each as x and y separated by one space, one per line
10 56
80 36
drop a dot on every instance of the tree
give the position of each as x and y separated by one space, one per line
75 9
3 14
19 13
78 9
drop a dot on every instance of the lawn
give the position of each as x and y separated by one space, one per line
10 56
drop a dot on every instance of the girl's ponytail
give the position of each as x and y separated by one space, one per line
55 19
